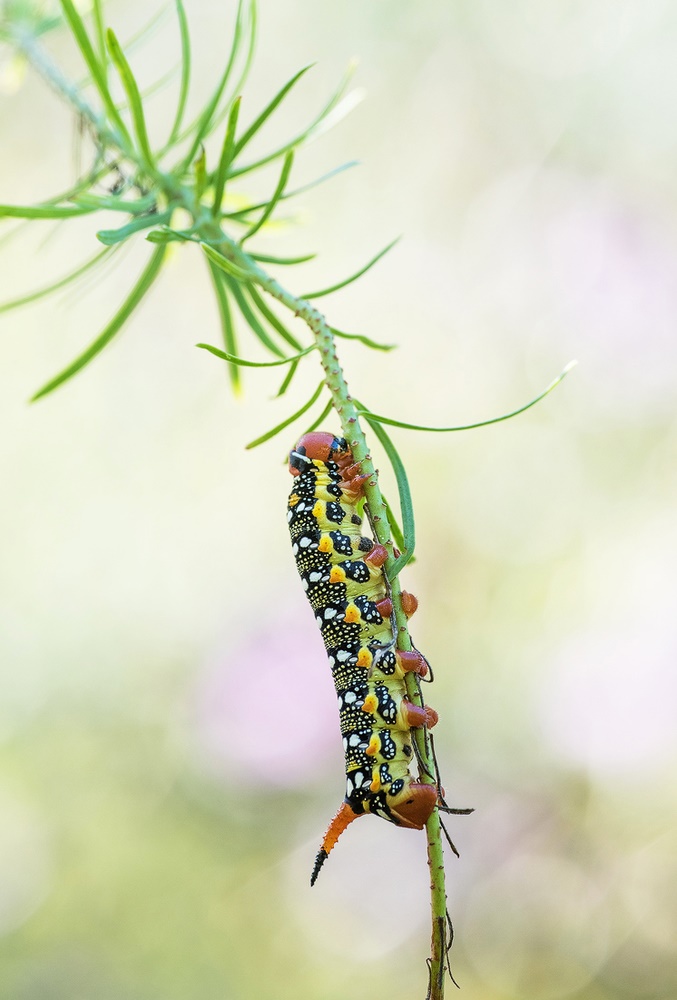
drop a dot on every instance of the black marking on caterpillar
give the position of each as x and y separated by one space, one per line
342 574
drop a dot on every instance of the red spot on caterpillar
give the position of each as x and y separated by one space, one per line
409 603
413 806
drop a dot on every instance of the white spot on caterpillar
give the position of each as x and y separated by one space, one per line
305 541
343 655
359 779
355 741
350 697
349 785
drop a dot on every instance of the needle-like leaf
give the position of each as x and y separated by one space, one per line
254 364
42 211
277 194
271 318
55 286
290 420
131 89
287 380
111 236
333 111
95 68
115 203
251 319
267 112
203 124
227 326
353 277
226 156
367 341
322 417
263 258
185 71
374 418
226 265
137 293
406 505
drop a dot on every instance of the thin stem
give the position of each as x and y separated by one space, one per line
376 510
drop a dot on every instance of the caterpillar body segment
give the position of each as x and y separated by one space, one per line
342 573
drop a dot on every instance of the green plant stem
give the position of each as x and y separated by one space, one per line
376 511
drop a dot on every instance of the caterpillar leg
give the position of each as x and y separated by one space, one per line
412 661
416 716
414 804
341 820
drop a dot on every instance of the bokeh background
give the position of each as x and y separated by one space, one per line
169 752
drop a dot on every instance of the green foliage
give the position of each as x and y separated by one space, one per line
150 192
154 186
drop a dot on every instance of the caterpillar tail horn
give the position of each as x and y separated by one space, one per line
341 820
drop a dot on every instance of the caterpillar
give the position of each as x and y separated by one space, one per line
342 573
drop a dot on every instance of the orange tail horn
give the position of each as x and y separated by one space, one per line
343 817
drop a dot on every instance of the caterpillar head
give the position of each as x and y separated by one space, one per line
315 446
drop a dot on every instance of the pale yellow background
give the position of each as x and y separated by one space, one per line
169 750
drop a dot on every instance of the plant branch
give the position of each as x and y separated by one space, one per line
376 508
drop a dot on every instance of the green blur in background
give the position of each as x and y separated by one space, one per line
169 746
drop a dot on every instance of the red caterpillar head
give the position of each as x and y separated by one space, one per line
317 445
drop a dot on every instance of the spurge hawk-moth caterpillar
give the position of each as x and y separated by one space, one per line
342 573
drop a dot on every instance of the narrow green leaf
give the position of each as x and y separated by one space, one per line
152 88
165 235
100 31
200 171
201 125
131 89
277 194
225 264
42 211
111 236
55 286
137 293
185 72
254 364
244 73
263 258
322 417
334 109
226 156
287 380
367 341
116 203
267 111
251 318
95 68
290 420
237 215
227 327
406 505
271 318
375 418
353 277
395 529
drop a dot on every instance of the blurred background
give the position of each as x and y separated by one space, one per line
169 749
